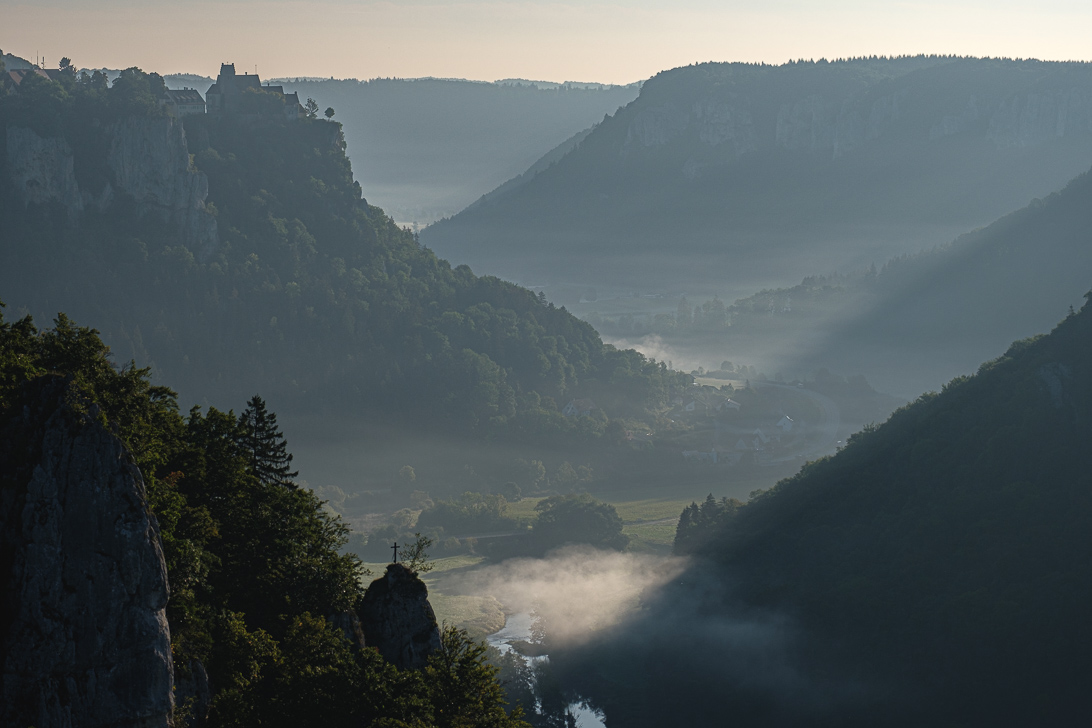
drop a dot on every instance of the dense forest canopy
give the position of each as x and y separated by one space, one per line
256 581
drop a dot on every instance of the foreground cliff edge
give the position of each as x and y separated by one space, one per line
85 638
107 494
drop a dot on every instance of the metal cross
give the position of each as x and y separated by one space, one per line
395 547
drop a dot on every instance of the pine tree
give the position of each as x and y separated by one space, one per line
264 446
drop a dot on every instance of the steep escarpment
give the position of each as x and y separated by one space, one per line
753 172
85 640
41 171
147 161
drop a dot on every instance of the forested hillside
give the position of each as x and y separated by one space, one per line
916 321
726 177
261 606
299 290
933 571
935 315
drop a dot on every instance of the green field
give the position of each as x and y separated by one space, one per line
655 538
525 508
479 616
650 509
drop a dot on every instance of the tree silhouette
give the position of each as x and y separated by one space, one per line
264 446
329 112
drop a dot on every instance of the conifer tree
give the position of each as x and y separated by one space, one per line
264 445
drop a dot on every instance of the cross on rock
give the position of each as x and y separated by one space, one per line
395 547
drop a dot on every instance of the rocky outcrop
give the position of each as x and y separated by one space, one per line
398 620
835 123
83 634
148 161
1030 119
42 170
348 623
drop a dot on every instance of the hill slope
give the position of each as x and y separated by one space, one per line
240 256
934 570
723 176
919 320
959 305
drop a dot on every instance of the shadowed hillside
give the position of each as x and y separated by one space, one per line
727 177
934 570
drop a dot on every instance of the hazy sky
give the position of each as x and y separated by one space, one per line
581 40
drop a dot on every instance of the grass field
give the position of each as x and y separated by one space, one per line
524 508
479 616
650 509
652 538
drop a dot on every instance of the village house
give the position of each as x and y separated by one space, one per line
757 441
16 77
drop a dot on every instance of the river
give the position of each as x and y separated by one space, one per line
518 627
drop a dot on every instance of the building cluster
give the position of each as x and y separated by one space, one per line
760 441
16 76
226 96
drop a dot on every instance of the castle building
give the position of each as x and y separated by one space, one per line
225 96
183 102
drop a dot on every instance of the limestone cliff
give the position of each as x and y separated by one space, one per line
398 620
41 170
148 161
83 633
729 124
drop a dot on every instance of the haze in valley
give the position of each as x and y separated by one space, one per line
730 360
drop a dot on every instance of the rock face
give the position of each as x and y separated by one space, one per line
42 170
837 122
83 634
148 161
398 620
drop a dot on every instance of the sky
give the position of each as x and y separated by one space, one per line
580 40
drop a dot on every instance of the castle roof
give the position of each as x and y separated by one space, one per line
185 96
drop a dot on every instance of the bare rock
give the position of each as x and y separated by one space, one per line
42 170
83 633
148 161
398 620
